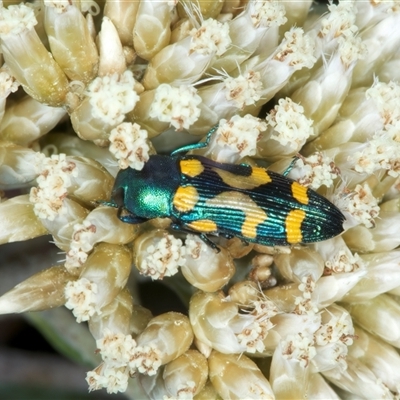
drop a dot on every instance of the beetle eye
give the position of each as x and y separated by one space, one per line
118 197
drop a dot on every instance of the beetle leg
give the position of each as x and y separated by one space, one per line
291 165
196 146
226 235
128 217
229 236
178 227
209 242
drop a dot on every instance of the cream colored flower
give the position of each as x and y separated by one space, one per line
110 88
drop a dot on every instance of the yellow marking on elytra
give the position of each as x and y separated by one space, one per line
185 198
249 227
258 177
191 168
203 225
254 215
293 223
299 192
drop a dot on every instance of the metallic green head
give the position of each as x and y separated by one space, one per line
146 194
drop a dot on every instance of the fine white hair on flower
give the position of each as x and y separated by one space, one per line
81 298
176 105
129 145
112 96
162 257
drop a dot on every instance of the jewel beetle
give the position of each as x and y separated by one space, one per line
205 197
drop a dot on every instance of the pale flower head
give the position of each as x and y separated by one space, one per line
112 96
211 37
236 138
279 90
129 145
176 105
15 19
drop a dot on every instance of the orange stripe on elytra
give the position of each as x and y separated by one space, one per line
250 224
191 168
185 198
203 225
300 193
293 222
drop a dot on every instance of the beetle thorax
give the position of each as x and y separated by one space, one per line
151 201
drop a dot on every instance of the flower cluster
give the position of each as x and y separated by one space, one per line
142 77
